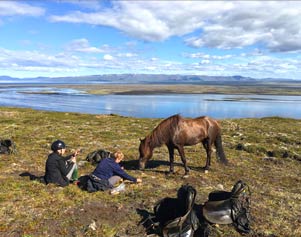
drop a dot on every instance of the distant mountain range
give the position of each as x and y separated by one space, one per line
145 79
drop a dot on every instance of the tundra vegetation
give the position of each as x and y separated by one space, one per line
265 153
264 88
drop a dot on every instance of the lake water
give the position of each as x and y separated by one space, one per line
153 106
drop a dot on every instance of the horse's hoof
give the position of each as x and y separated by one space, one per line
206 171
185 176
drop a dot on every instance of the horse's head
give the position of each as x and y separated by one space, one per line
145 152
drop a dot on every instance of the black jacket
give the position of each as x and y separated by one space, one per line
56 169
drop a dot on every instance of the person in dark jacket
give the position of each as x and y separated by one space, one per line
60 170
109 169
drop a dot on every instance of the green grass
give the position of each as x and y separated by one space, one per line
29 208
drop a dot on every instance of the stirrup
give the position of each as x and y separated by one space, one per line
149 223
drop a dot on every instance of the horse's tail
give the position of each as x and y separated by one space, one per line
220 154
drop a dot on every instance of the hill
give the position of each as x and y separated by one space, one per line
148 79
265 153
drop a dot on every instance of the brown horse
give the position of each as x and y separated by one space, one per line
176 132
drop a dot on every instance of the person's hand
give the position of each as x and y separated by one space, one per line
76 152
139 180
73 159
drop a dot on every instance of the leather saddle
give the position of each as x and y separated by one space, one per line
176 216
232 207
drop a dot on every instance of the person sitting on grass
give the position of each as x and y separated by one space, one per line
61 170
108 173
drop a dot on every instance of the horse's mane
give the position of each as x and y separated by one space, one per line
164 131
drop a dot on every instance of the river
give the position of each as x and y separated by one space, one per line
219 106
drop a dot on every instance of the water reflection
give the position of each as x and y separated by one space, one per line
154 106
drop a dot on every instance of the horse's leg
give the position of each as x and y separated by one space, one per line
171 157
208 147
180 148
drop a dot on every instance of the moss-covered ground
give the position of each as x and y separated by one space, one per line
265 153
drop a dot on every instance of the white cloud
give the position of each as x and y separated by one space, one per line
150 68
82 45
12 8
108 57
221 24
208 56
251 64
205 61
30 60
127 55
147 20
277 28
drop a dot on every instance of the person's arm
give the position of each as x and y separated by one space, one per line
72 156
120 172
66 158
62 166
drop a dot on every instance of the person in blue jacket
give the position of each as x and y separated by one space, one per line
109 169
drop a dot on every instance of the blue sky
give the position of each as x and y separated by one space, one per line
56 38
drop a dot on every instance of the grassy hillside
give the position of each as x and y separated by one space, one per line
265 153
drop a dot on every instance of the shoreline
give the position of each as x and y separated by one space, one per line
12 110
159 89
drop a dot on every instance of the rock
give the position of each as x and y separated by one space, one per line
220 187
269 158
81 163
270 153
240 147
93 226
285 154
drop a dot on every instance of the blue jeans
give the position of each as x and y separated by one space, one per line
114 179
